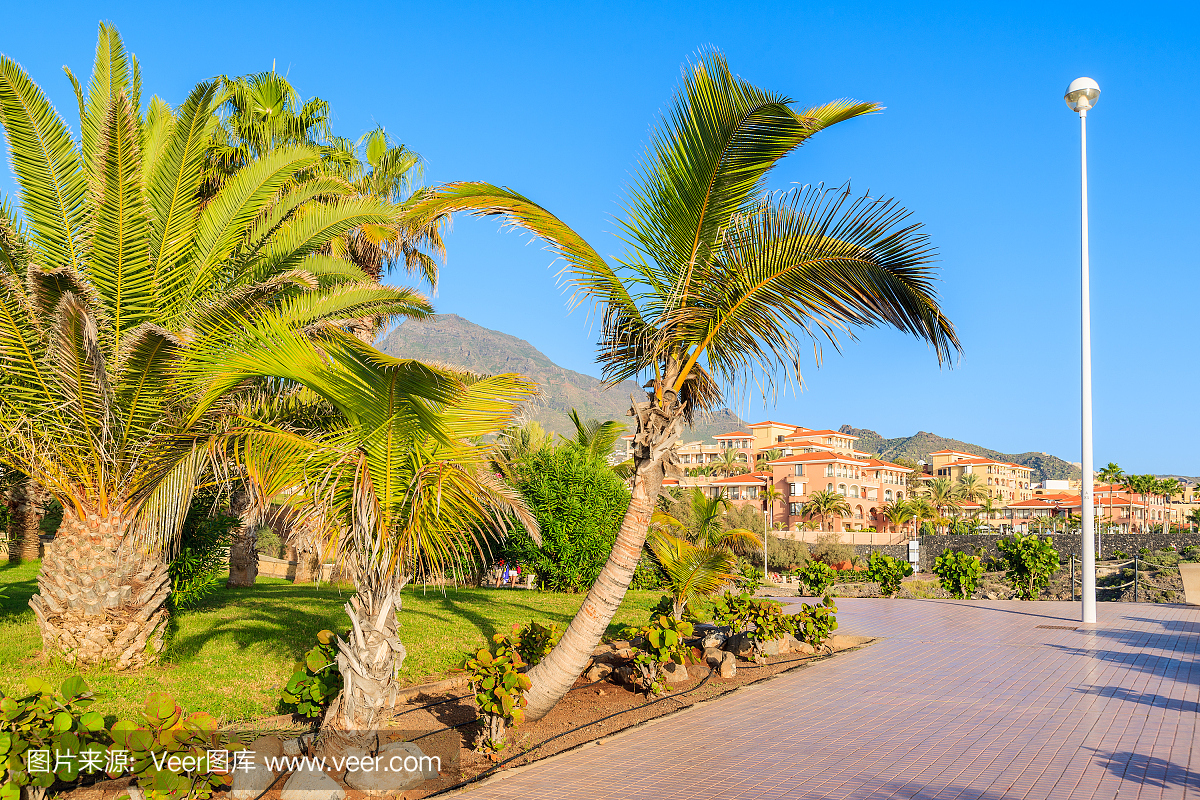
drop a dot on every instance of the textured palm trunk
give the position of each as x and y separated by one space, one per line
653 443
100 601
243 550
369 659
27 504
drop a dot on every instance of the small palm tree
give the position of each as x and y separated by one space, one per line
771 495
599 439
898 514
1111 474
971 487
730 462
922 510
764 459
692 572
708 529
826 505
943 495
722 279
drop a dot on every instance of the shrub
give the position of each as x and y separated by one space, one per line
268 543
750 575
660 642
1031 562
830 548
818 577
785 555
535 641
888 571
500 689
959 572
816 623
647 574
198 569
1190 553
316 680
578 502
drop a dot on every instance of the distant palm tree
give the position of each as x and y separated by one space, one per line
898 514
597 438
1111 474
943 495
988 508
708 529
1194 517
765 458
1142 485
971 488
922 510
771 495
826 504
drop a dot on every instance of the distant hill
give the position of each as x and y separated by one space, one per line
451 340
1044 465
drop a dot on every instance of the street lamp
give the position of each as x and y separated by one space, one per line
1082 95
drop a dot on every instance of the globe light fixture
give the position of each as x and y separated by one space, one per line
1082 95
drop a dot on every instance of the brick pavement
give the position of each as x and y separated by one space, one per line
959 701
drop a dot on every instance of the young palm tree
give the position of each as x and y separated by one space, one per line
764 459
596 437
693 572
988 508
922 510
826 505
721 280
113 282
898 514
707 527
971 487
771 495
730 463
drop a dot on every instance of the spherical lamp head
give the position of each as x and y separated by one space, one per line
1082 94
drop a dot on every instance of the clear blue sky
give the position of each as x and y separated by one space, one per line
976 140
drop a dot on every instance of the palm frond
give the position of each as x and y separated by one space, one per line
110 76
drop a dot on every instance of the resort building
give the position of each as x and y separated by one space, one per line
1005 482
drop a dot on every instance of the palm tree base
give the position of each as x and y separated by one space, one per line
98 603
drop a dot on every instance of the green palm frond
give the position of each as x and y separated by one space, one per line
48 168
692 572
110 77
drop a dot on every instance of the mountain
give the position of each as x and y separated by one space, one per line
456 342
1044 465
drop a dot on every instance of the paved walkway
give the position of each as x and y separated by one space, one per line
960 700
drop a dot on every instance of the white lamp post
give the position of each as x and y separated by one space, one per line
1082 95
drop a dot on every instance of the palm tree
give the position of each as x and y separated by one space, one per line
1143 485
971 488
730 462
721 280
120 292
26 500
898 513
597 438
942 494
922 510
988 508
1193 517
707 527
692 572
405 478
764 459
771 495
1110 474
826 504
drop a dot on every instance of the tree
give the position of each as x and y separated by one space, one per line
119 288
898 514
1143 485
692 572
825 505
922 510
943 495
730 462
721 280
764 459
1112 475
970 487
988 508
704 526
578 502
771 495
26 501
596 438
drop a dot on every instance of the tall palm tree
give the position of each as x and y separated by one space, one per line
942 494
1142 485
826 505
771 495
721 280
117 286
922 510
1111 474
971 487
898 514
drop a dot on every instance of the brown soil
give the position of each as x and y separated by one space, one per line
588 713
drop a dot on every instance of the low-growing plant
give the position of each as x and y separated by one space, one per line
888 571
1031 562
749 576
816 623
199 569
316 680
535 641
818 577
830 548
659 643
959 572
1190 553
500 686
785 554
647 574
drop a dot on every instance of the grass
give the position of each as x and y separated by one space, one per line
232 655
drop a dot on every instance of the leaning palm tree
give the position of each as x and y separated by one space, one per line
825 505
721 280
116 279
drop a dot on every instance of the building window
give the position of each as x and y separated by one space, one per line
799 470
842 489
854 491
887 496
829 487
795 509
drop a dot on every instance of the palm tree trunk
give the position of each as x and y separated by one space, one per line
369 659
27 504
654 441
99 600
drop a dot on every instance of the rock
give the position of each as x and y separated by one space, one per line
295 747
991 596
311 785
613 656
777 647
265 747
675 673
252 783
740 645
728 666
623 674
598 672
714 639
713 656
424 766
803 648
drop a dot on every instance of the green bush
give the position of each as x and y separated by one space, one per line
316 680
830 548
578 502
785 555
660 642
959 572
268 543
647 574
198 569
535 641
818 577
888 571
1031 562
816 623
500 687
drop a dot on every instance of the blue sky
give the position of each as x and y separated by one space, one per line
976 140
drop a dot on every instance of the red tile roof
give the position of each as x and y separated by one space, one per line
734 435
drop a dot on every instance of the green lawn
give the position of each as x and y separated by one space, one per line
232 655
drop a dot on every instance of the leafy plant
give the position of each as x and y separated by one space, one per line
888 571
198 569
535 641
660 642
40 725
749 576
818 577
1031 562
316 680
500 689
816 623
268 543
959 572
1190 553
786 554
647 574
